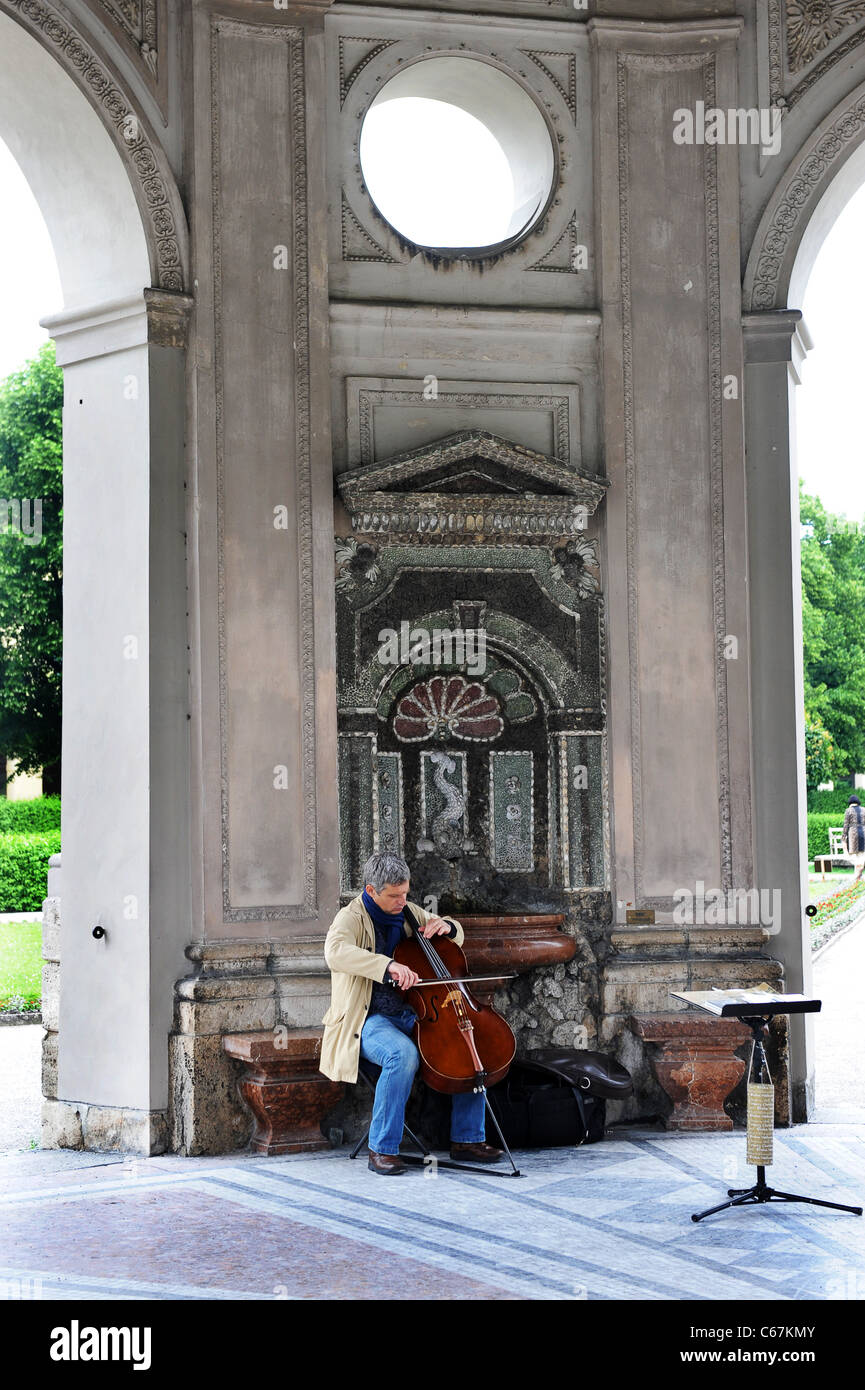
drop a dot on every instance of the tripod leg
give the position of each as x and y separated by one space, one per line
813 1201
722 1206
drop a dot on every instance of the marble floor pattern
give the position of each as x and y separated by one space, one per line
608 1221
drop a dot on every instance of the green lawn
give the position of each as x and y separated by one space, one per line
21 963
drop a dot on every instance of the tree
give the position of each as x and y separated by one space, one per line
820 753
31 590
833 629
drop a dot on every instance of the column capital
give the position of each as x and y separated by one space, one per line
168 314
679 31
777 335
153 316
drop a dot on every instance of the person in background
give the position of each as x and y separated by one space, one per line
854 835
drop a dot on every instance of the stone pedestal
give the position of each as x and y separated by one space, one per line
284 1088
695 1065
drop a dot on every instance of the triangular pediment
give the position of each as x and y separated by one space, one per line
472 486
469 462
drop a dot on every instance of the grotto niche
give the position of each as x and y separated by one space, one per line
470 677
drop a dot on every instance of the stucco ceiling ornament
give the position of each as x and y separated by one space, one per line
813 24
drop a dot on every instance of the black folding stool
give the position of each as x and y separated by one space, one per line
369 1073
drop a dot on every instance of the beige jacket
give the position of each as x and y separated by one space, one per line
349 949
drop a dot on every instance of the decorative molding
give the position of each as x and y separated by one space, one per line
349 75
505 491
558 406
677 61
149 171
366 61
139 21
561 70
293 38
776 54
799 32
357 243
813 24
560 257
773 251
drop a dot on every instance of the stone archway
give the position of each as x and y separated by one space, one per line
118 229
820 180
824 174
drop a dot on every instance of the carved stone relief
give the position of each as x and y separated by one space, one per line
139 21
783 224
806 39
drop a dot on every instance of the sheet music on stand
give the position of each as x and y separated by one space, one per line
756 1007
748 1003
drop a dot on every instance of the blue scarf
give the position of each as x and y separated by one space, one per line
388 934
388 926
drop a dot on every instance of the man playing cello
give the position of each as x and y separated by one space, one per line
368 1018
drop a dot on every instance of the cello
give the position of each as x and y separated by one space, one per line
463 1045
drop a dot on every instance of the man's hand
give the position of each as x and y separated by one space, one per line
405 977
435 926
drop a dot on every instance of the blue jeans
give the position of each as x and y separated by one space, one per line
385 1040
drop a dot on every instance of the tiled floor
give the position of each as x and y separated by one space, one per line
610 1221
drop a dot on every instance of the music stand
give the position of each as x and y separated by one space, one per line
756 1015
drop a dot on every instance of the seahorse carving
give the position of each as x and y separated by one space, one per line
446 833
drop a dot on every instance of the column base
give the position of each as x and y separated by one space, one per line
68 1124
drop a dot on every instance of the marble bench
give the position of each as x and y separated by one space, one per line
695 1064
283 1087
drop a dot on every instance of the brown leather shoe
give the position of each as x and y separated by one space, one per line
389 1165
476 1153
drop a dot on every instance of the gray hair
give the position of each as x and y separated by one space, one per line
380 869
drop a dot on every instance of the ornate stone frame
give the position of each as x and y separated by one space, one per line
418 510
788 85
150 175
776 244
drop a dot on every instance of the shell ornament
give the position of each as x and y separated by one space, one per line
446 707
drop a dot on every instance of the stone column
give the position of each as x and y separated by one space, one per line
775 346
667 230
125 764
263 665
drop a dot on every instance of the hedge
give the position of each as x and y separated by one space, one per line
24 869
818 830
29 817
